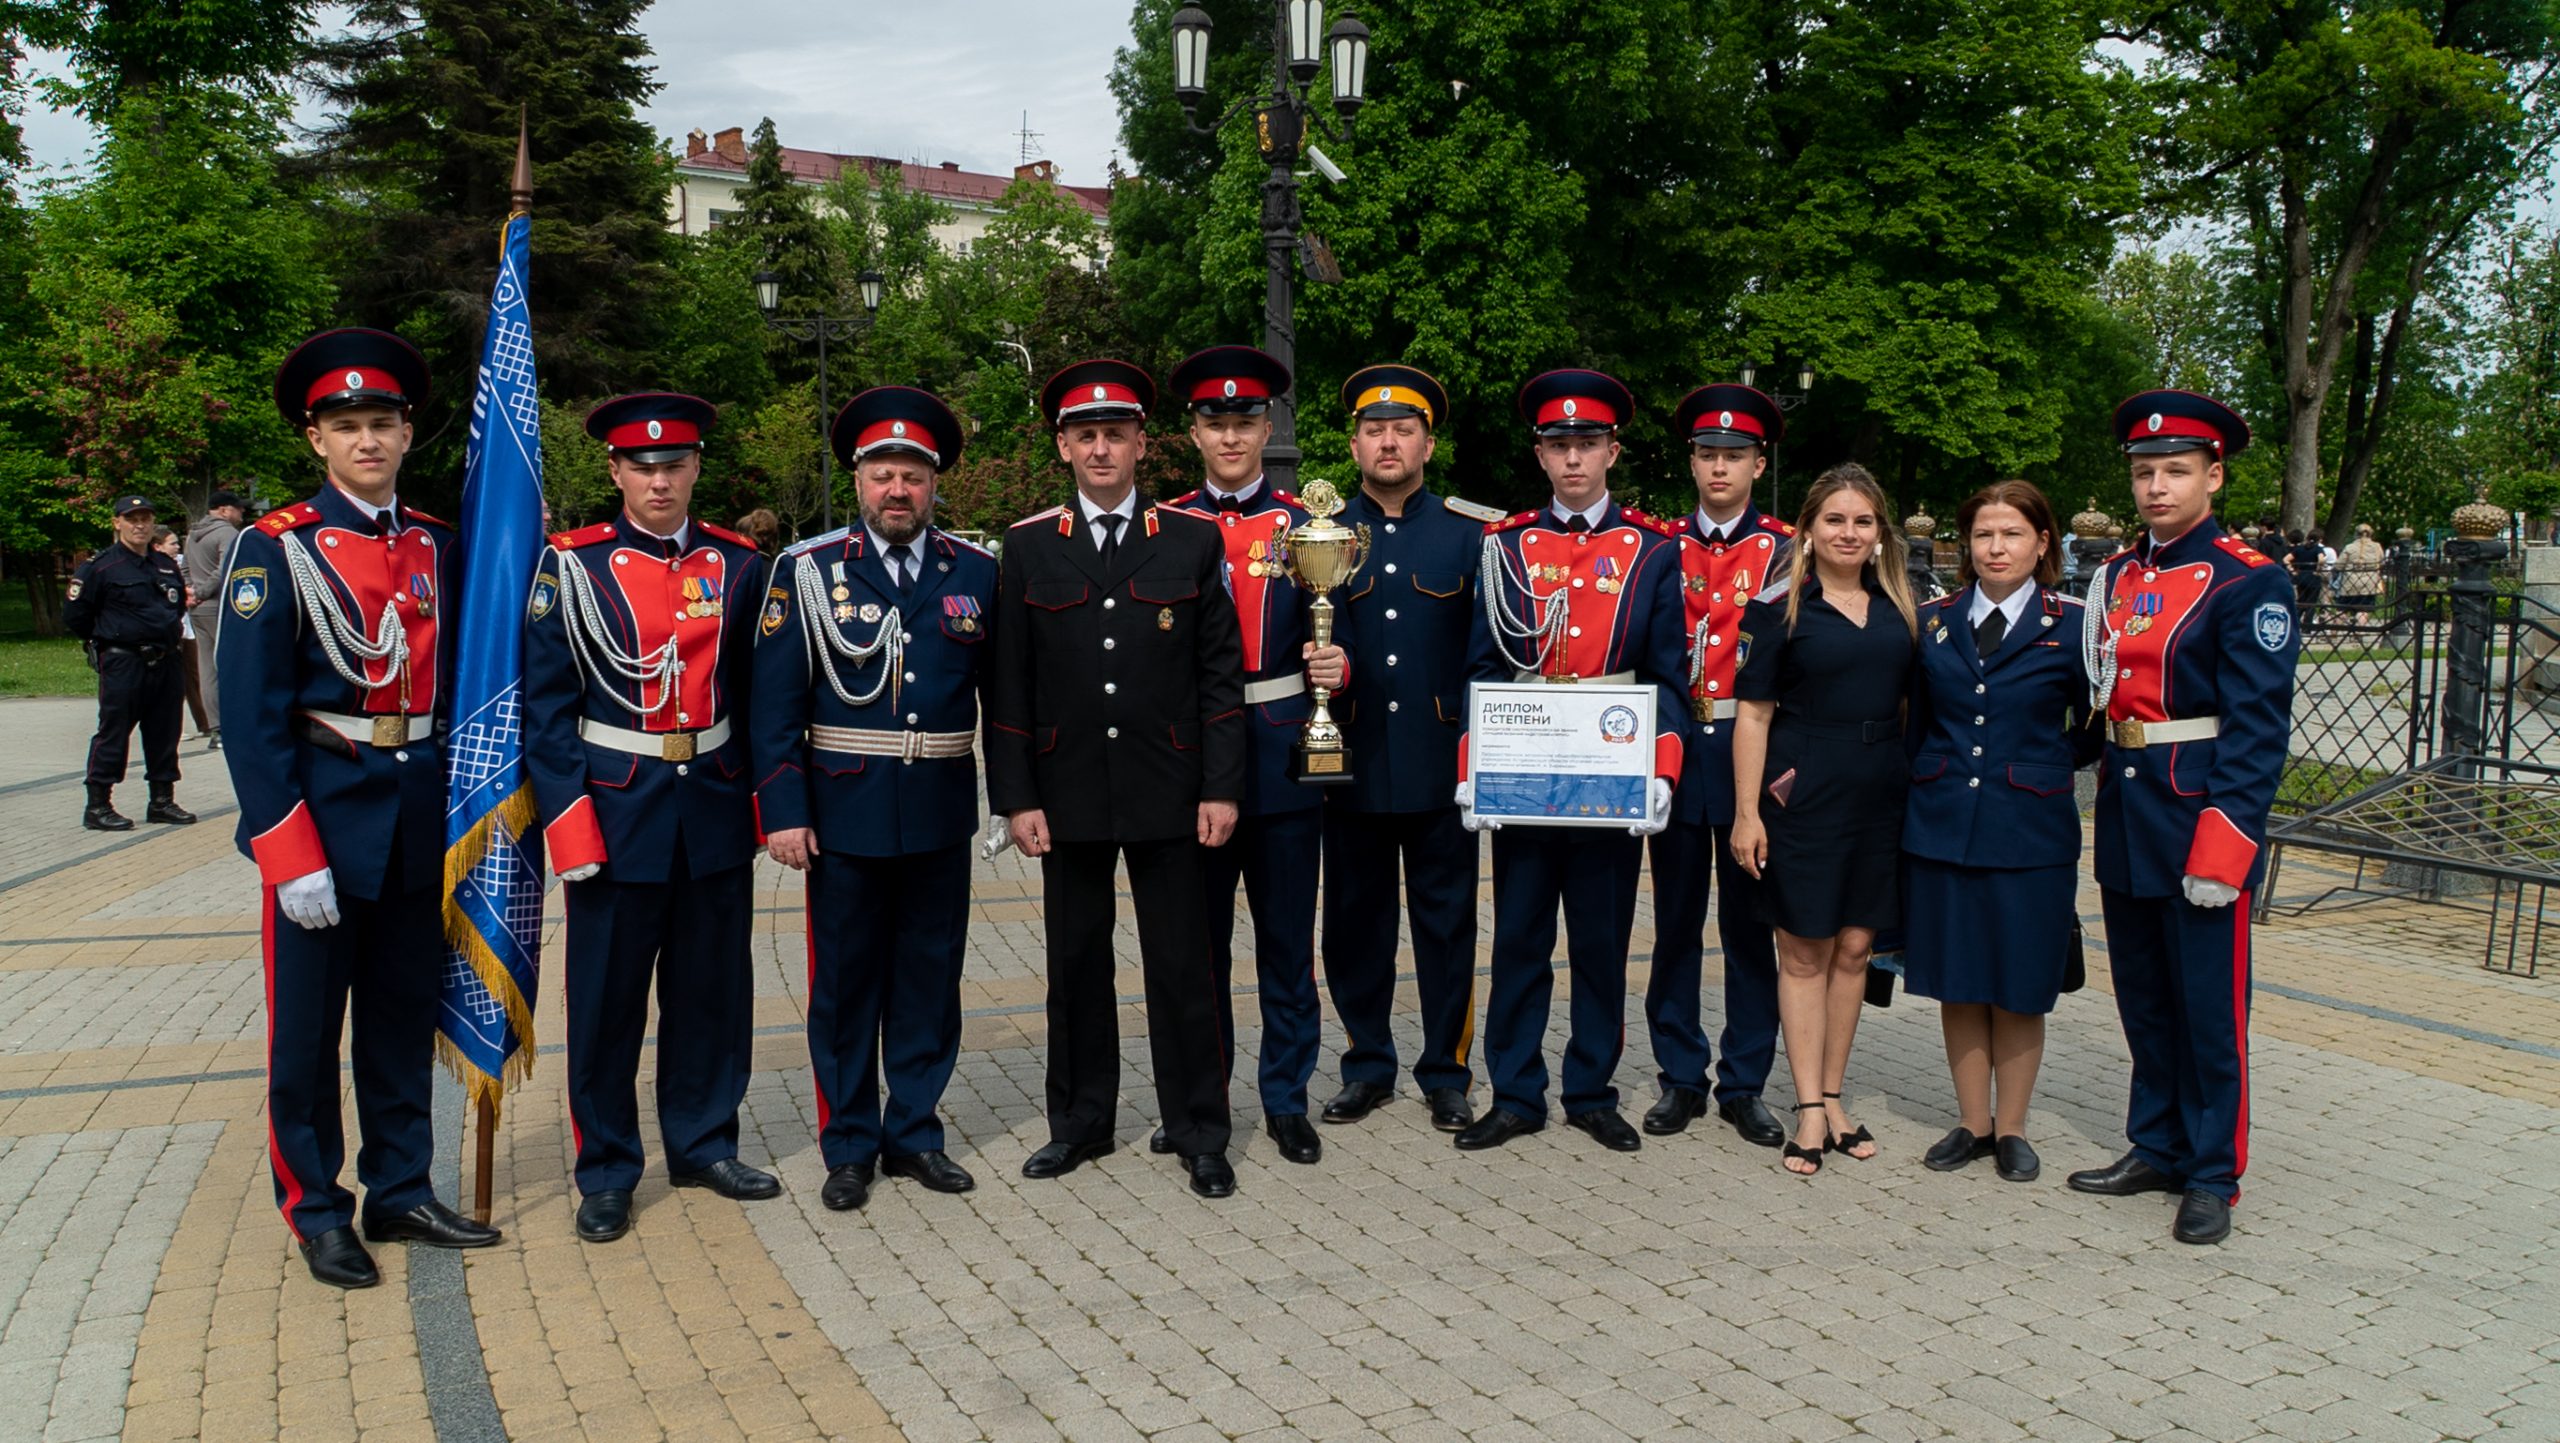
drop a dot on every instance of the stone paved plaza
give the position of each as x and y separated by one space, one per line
2394 1275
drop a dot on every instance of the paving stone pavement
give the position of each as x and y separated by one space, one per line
2394 1275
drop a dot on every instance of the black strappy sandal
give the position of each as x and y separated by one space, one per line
1803 1154
1842 1143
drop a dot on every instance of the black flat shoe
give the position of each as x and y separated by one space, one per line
1450 1110
2017 1161
1357 1100
605 1215
1752 1118
1956 1149
1210 1175
1159 1144
934 1169
2203 1217
848 1187
336 1258
430 1223
1057 1159
1842 1142
731 1179
2124 1177
1790 1151
1495 1128
1677 1109
1605 1127
1296 1137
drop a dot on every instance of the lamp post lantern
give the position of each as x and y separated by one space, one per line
821 329
1787 401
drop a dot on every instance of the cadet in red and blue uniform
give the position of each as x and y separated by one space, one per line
639 636
1728 551
2192 644
332 650
1576 591
1279 829
871 653
1409 612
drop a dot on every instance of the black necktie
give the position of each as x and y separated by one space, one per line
1226 503
1988 631
902 565
384 522
1578 524
1110 522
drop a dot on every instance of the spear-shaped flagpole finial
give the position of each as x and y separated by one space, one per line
522 189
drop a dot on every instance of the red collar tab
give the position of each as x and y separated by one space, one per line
353 378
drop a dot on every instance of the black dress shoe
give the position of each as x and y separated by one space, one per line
1496 1128
167 812
1678 1107
1159 1144
934 1169
848 1187
1057 1159
431 1223
1210 1175
336 1258
2124 1177
1297 1139
2017 1161
1752 1118
1357 1100
1450 1110
104 818
1606 1128
2203 1217
1954 1150
605 1215
731 1179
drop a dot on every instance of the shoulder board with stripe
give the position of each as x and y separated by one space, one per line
1285 499
583 536
2056 601
1036 517
1776 590
412 513
2243 550
961 542
1165 510
1950 598
1776 527
1513 523
1187 498
286 518
1654 524
811 543
725 534
1472 510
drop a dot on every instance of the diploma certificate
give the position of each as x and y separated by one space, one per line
1564 756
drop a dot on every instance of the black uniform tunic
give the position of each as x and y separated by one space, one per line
128 607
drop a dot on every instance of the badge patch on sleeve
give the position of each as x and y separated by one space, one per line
2274 624
75 590
546 593
248 590
775 608
1741 649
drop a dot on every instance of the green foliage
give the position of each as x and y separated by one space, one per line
577 483
133 409
778 222
123 48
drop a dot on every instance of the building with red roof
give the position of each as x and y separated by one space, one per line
713 169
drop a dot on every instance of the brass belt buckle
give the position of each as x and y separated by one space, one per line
2129 734
391 731
676 747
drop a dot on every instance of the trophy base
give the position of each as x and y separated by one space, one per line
1319 769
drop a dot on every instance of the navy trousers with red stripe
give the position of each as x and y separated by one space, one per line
886 936
2182 987
1592 873
1276 858
384 957
691 932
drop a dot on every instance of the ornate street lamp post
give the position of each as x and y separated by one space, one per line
1787 401
821 329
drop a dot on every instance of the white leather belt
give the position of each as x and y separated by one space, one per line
1615 678
1722 710
906 746
2162 733
390 729
665 746
1278 688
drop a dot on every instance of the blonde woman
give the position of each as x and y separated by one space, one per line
1818 781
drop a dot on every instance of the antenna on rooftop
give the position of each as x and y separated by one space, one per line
1029 140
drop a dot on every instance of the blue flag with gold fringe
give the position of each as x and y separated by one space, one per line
493 851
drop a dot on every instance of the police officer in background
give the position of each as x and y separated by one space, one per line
1407 613
125 604
639 644
2192 640
871 652
1728 551
333 655
1115 734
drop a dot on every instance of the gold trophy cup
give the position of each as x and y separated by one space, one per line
1323 554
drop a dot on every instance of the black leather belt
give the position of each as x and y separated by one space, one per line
149 652
1868 732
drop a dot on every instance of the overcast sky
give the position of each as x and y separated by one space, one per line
927 82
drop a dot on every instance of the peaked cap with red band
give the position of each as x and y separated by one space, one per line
1575 403
1098 391
1726 415
2158 422
888 419
1229 381
1386 392
652 427
349 367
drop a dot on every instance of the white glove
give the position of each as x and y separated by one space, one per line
582 871
2206 892
310 900
1657 809
1467 817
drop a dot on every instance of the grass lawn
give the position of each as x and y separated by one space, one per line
34 666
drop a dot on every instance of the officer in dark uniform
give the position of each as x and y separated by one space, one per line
639 640
1578 590
871 652
1407 613
2191 641
126 602
1115 733
1728 551
1279 832
332 653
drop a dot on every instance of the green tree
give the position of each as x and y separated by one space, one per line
777 222
122 48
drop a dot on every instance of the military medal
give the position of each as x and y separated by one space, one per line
1164 619
1607 575
1742 579
425 592
963 611
844 611
842 592
870 611
1254 568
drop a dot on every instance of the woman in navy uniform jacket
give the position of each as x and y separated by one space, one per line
1999 719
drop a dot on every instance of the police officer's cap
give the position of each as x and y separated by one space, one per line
889 420
1097 391
2155 423
1725 416
1575 403
652 427
349 367
1386 392
127 505
1229 381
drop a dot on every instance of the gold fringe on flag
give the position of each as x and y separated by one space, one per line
515 814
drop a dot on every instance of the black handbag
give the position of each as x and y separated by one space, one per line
2075 962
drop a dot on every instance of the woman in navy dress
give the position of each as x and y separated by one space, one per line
2000 718
1818 778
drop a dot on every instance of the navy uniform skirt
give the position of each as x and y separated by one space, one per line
1981 934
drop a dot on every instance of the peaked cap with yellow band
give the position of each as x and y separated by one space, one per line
1383 392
